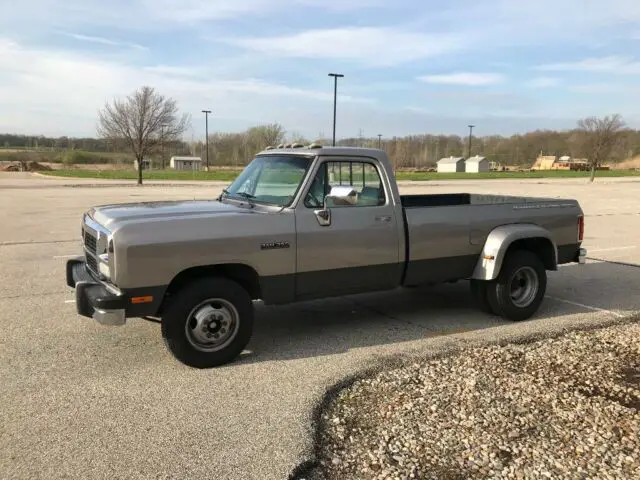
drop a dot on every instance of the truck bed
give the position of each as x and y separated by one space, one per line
443 243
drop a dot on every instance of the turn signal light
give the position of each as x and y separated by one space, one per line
147 299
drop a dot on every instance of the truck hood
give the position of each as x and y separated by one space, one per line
109 215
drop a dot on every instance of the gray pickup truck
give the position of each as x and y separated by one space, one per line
307 223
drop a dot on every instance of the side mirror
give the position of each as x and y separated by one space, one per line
341 195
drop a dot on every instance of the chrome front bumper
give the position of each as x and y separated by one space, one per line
110 318
93 298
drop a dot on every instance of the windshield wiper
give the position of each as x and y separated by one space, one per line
224 192
248 196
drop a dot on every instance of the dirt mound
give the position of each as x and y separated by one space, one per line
24 167
628 164
37 167
10 167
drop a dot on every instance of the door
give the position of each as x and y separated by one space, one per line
356 248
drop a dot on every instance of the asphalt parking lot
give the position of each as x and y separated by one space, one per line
83 401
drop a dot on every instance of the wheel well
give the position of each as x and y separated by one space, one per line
246 276
541 246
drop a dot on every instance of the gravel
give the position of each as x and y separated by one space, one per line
567 407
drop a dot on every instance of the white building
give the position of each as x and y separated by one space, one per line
451 165
185 163
146 164
476 164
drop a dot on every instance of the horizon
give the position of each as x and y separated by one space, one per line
410 68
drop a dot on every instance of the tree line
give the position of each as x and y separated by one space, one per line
237 148
149 126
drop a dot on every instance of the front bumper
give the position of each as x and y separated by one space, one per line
93 298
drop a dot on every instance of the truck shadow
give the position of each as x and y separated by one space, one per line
575 294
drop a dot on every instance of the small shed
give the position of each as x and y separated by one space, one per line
146 164
185 163
451 165
476 164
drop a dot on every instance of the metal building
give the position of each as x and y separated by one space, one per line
451 165
476 164
185 163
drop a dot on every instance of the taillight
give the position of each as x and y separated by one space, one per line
580 228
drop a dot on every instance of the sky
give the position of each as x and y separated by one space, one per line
410 66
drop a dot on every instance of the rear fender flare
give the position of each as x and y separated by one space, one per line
498 242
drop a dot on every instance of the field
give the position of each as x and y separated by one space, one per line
98 402
67 157
230 174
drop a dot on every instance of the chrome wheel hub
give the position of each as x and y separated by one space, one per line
212 325
524 286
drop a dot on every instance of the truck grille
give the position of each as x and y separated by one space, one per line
90 242
92 263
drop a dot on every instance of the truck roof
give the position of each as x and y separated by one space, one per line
328 151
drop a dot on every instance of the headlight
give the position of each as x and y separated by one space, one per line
105 264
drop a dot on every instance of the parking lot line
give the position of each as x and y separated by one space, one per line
588 307
611 249
66 256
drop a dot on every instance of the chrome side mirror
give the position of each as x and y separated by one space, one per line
339 196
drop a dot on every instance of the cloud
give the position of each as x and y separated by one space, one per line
464 78
595 88
157 15
543 82
364 45
614 64
198 11
103 41
57 92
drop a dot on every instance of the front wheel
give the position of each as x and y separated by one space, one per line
520 287
208 323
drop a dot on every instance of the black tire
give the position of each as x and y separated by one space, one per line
507 303
225 309
479 294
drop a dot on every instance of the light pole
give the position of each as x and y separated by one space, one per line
379 141
470 132
206 134
162 127
335 97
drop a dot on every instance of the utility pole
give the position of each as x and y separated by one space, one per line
335 98
470 133
162 144
206 134
379 141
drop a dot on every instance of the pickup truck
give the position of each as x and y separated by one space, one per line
309 222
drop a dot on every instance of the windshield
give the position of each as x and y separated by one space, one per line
271 179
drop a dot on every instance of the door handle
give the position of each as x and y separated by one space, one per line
383 218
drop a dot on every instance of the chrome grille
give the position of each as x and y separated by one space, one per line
92 263
90 242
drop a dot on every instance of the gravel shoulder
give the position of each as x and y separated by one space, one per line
565 407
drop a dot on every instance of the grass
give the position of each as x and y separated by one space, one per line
64 156
228 175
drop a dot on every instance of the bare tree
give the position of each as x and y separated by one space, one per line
139 120
598 137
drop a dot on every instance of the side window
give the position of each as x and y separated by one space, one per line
362 176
